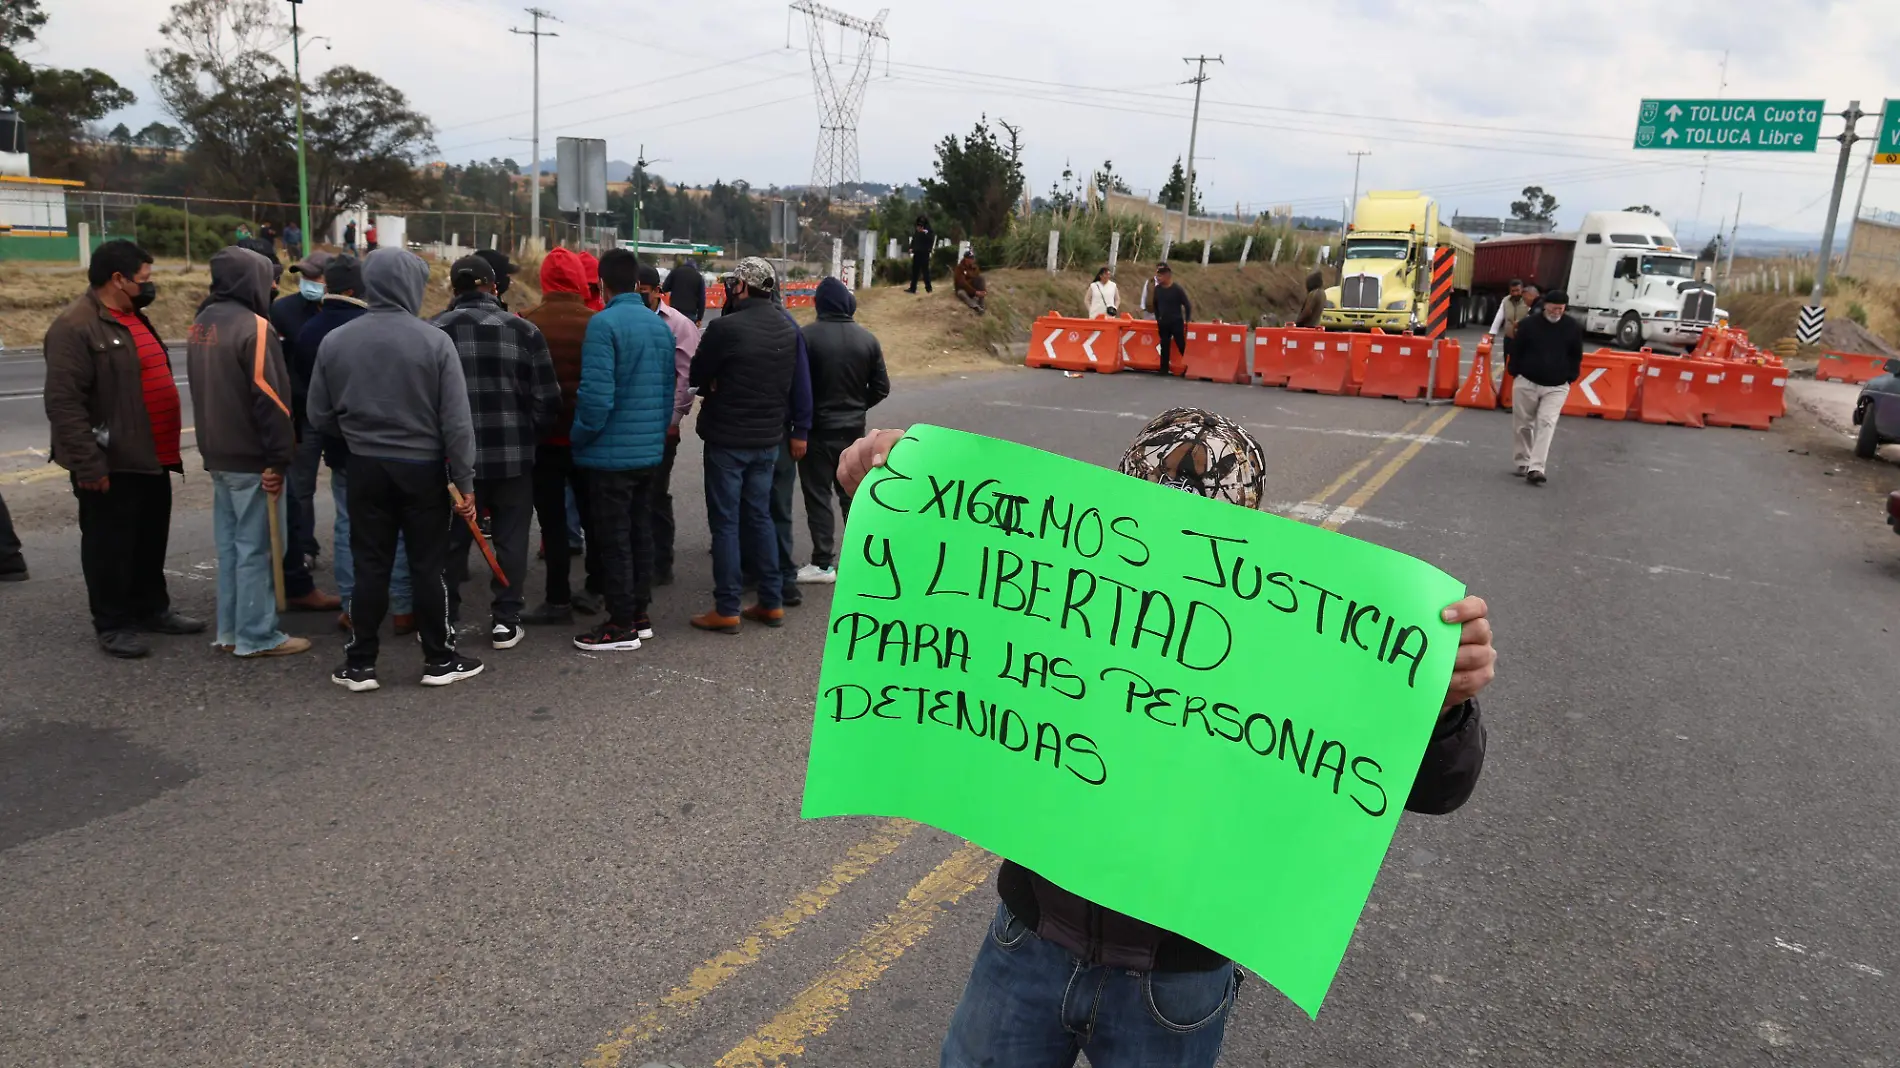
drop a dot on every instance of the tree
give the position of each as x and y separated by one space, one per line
1175 190
1713 250
1537 205
978 182
57 105
1644 208
159 135
1063 193
361 140
1107 181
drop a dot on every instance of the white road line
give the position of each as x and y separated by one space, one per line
1382 435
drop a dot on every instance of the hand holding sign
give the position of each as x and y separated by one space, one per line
1238 701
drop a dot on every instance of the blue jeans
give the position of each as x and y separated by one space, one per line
247 603
739 508
1029 1004
402 600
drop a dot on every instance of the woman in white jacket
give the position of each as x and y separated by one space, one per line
1104 300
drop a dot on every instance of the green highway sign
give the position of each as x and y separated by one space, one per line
1887 149
1730 125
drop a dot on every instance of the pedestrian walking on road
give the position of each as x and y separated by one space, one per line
112 405
923 242
562 317
505 271
968 280
1103 299
848 378
247 441
1314 305
685 343
686 288
1173 310
1548 359
745 371
289 314
391 386
12 561
343 303
1150 996
513 399
621 415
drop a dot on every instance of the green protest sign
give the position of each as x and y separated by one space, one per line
1203 716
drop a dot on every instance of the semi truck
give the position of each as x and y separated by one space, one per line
1385 266
1626 277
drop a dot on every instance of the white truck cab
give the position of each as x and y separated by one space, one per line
1631 280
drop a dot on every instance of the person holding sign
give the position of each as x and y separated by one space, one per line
1060 974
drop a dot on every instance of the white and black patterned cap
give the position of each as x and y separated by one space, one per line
756 273
1203 453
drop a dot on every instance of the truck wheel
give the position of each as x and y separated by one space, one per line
1867 442
1629 332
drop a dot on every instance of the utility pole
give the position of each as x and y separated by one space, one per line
303 172
1720 88
1356 158
534 193
1853 224
1200 76
1728 271
1813 314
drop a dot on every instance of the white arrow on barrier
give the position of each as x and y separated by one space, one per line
1049 345
1595 401
1126 359
1088 350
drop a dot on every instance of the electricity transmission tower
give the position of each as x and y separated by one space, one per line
840 87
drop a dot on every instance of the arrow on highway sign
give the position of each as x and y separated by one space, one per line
1595 401
1730 125
1674 112
1670 136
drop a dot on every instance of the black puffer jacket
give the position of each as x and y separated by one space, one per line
847 364
1447 774
744 369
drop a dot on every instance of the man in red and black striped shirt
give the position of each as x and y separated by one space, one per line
112 403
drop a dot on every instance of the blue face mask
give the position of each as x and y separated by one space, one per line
310 290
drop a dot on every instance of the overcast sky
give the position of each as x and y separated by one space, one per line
1468 100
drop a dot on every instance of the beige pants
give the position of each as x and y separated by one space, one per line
1534 412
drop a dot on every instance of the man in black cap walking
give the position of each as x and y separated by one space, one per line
1172 312
1548 358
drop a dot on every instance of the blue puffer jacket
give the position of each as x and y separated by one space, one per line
625 400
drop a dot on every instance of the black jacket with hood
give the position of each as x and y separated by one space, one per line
744 367
685 287
1447 774
239 385
848 377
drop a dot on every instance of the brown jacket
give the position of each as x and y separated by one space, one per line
1315 301
93 379
968 277
562 318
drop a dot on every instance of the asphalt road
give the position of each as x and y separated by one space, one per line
1681 853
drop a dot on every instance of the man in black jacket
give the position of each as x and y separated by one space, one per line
1151 996
847 379
922 243
685 289
1547 359
1172 312
289 314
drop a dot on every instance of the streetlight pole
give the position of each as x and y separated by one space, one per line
303 171
1357 157
534 194
1194 130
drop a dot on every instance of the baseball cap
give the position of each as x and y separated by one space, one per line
312 266
343 273
471 271
1203 453
756 273
1163 268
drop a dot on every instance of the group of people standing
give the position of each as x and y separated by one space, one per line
433 427
1171 306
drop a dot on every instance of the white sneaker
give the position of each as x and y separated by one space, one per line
812 574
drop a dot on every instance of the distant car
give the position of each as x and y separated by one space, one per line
1877 412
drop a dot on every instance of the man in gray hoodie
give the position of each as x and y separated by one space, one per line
391 386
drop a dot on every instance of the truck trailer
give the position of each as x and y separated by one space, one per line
1626 277
1385 267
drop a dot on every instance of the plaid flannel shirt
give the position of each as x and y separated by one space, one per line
512 392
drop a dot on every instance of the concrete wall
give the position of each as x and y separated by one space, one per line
1874 250
1198 228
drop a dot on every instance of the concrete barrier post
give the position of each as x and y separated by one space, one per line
1246 248
85 244
1276 249
1114 249
1055 240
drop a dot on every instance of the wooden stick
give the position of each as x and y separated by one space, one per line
277 551
475 527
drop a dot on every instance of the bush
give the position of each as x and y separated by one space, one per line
1857 313
161 231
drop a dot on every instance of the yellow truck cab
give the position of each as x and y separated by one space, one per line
1385 268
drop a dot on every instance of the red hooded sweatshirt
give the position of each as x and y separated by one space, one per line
592 265
562 318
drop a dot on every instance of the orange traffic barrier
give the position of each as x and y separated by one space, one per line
1395 366
1075 344
1749 395
1272 356
1850 367
1319 362
1673 389
1478 392
1140 346
1217 352
1607 386
1450 353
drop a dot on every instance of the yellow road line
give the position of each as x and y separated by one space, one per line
1363 494
716 971
814 1010
1353 472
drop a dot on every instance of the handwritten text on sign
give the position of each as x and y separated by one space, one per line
1203 716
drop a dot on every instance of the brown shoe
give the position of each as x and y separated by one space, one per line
314 601
403 624
343 621
713 621
771 617
287 647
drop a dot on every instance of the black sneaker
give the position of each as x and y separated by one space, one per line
1535 478
356 679
456 668
608 638
643 626
506 635
792 599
